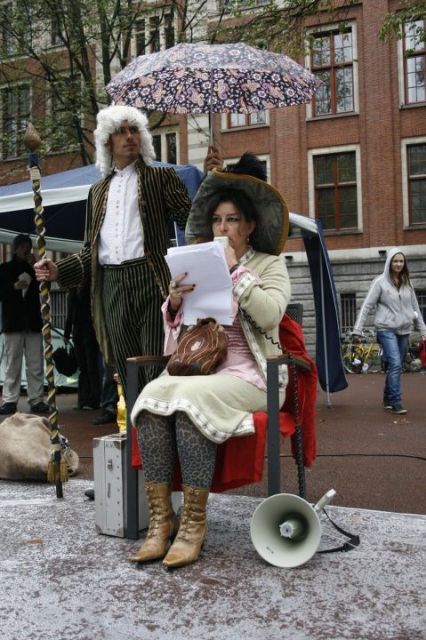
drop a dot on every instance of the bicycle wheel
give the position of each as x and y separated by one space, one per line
351 361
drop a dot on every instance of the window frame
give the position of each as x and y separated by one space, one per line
167 23
348 310
225 120
163 132
67 145
406 209
350 25
312 154
19 152
402 72
421 299
243 5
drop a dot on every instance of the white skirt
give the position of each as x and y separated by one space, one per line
220 405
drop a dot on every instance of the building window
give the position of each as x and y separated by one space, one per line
165 146
237 5
16 21
140 37
55 32
169 31
414 62
421 299
65 109
15 113
155 34
347 311
7 40
335 183
332 61
416 174
238 120
232 121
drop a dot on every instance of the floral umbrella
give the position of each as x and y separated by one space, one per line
206 78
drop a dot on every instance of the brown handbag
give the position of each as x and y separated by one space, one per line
201 348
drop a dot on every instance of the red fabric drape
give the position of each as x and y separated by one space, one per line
240 460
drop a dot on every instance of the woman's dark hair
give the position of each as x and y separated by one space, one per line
250 165
239 199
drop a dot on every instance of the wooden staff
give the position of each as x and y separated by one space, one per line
57 471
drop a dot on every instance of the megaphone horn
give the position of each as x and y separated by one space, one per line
285 529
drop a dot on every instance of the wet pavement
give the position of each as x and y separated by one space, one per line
371 457
61 579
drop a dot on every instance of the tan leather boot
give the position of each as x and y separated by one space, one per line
163 523
192 530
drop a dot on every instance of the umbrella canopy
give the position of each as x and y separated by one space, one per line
204 78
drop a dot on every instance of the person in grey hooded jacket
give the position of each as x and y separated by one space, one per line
393 299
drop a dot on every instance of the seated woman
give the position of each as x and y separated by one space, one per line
184 418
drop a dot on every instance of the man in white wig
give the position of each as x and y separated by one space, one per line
126 238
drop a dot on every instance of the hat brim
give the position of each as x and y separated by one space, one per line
272 222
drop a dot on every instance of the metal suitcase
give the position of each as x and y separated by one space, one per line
109 468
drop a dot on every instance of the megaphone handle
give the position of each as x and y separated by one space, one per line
323 502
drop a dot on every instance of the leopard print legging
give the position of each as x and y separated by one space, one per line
164 438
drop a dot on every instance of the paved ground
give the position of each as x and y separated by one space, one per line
372 458
61 579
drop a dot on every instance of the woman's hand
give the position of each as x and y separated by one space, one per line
230 257
177 290
46 270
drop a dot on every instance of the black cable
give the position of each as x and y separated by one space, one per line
362 455
337 455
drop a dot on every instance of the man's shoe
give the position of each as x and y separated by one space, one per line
399 409
387 406
40 407
8 408
90 493
106 417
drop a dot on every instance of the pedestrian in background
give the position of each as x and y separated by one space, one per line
392 299
109 398
22 324
79 326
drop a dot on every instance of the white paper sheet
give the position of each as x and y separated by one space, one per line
206 267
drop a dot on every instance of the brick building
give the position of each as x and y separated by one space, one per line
355 157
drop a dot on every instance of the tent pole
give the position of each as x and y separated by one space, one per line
324 334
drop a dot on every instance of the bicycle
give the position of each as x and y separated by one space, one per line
364 356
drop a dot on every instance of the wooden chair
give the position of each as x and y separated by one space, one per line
273 427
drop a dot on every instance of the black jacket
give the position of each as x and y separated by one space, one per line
19 313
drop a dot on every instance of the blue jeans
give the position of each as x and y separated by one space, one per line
394 350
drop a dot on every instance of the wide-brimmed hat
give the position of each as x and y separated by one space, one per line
272 220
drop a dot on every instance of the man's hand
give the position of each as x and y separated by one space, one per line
46 271
212 159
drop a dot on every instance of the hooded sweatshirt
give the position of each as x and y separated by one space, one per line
395 309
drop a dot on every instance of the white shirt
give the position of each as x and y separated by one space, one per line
121 235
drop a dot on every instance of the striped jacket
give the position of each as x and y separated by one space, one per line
162 196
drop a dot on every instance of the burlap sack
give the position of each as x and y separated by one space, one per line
25 448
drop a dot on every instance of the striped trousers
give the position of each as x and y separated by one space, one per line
132 307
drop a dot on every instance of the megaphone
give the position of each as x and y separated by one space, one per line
286 530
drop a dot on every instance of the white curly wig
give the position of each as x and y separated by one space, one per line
109 120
